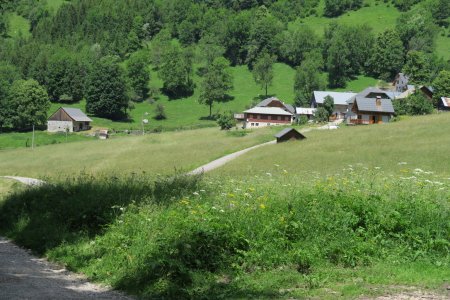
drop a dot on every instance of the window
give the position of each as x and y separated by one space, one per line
257 124
253 124
264 117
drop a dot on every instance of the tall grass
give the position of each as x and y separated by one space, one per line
184 238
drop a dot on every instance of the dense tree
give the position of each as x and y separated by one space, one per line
334 8
417 30
338 63
3 26
328 104
321 115
418 104
263 71
388 56
138 74
308 79
8 74
262 36
217 81
417 67
64 77
237 37
106 93
175 71
441 86
28 103
295 43
160 44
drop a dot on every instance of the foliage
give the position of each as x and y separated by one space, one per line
296 43
418 104
328 104
28 104
388 56
8 74
226 121
321 115
308 79
176 72
263 71
417 67
138 74
441 86
335 8
417 30
160 112
302 120
217 81
106 93
119 230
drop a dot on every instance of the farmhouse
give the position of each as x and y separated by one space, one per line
268 112
68 119
371 111
305 111
400 82
340 102
289 134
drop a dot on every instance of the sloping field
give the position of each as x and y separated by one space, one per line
155 153
420 142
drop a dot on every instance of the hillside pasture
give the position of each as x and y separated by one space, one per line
414 142
153 153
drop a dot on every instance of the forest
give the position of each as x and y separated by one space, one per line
101 51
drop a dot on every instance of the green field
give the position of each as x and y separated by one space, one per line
153 153
345 213
420 142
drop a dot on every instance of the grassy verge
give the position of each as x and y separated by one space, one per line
272 236
7 186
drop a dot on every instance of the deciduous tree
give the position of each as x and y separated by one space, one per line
441 86
138 74
263 71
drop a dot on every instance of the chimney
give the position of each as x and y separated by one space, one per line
378 101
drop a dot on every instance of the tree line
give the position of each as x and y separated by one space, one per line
87 48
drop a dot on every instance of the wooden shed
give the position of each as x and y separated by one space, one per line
288 134
68 119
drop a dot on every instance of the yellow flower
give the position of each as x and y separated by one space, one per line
262 206
231 195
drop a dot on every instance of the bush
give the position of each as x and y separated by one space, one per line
160 112
302 120
226 121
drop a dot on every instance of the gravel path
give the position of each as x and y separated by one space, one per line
23 276
223 160
25 180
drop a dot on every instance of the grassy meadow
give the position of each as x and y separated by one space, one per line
152 153
414 142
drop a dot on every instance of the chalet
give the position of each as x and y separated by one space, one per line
267 116
268 112
68 119
340 102
400 83
371 111
444 104
288 134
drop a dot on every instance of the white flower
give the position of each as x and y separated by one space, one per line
402 163
195 194
268 174
222 211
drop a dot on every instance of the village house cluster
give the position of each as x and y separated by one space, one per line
371 106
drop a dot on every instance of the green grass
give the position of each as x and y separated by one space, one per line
18 26
23 140
153 153
359 84
379 17
443 46
188 113
279 236
55 4
421 142
6 186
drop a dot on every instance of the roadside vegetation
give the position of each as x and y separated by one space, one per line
275 235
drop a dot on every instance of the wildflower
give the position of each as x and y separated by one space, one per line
247 195
222 211
285 172
202 191
402 163
276 165
231 195
377 168
418 170
262 206
268 174
195 194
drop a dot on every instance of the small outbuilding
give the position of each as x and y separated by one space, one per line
288 134
68 119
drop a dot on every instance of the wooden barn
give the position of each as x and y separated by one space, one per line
68 119
288 134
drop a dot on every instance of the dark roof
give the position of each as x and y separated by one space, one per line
369 104
267 101
76 114
371 90
285 131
